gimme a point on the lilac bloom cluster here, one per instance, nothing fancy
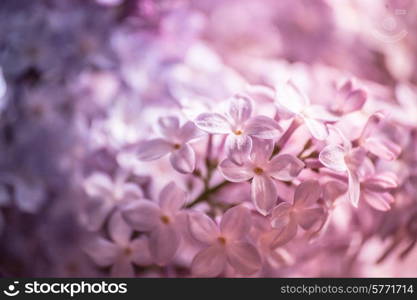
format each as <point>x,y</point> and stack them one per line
<point>145,138</point>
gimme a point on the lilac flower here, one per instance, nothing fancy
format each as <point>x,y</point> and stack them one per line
<point>375,142</point>
<point>292,102</point>
<point>121,251</point>
<point>265,235</point>
<point>105,194</point>
<point>347,160</point>
<point>174,142</point>
<point>262,170</point>
<point>376,190</point>
<point>376,187</point>
<point>159,220</point>
<point>226,244</point>
<point>349,99</point>
<point>304,212</point>
<point>239,126</point>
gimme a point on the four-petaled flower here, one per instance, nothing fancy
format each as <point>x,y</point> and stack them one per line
<point>160,220</point>
<point>376,186</point>
<point>174,142</point>
<point>226,244</point>
<point>239,126</point>
<point>293,102</point>
<point>262,170</point>
<point>121,251</point>
<point>304,212</point>
<point>106,194</point>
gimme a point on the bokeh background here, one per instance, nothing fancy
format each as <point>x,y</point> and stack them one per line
<point>81,80</point>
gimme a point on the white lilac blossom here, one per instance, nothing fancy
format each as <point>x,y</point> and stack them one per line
<point>145,138</point>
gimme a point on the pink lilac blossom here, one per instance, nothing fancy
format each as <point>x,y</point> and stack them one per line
<point>144,138</point>
<point>240,127</point>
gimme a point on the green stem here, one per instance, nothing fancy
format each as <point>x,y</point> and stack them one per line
<point>207,193</point>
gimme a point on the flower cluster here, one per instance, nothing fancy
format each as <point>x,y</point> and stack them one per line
<point>252,148</point>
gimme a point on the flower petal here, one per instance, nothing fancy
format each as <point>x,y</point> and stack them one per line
<point>291,98</point>
<point>142,215</point>
<point>209,262</point>
<point>238,147</point>
<point>263,127</point>
<point>285,167</point>
<point>163,243</point>
<point>381,182</point>
<point>372,124</point>
<point>353,188</point>
<point>169,126</point>
<point>244,257</point>
<point>97,210</point>
<point>235,173</point>
<point>132,191</point>
<point>240,109</point>
<point>264,194</point>
<point>183,159</point>
<point>379,201</point>
<point>332,190</point>
<point>281,215</point>
<point>318,129</point>
<point>171,198</point>
<point>140,251</point>
<point>119,231</point>
<point>354,101</point>
<point>202,228</point>
<point>333,157</point>
<point>318,112</point>
<point>153,149</point>
<point>236,222</point>
<point>382,147</point>
<point>286,234</point>
<point>306,218</point>
<point>261,151</point>
<point>98,184</point>
<point>188,132</point>
<point>213,123</point>
<point>101,251</point>
<point>307,193</point>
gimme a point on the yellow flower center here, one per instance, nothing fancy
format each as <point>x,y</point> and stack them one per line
<point>221,240</point>
<point>127,251</point>
<point>258,171</point>
<point>165,219</point>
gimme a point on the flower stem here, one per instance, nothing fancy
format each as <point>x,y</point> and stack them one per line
<point>207,193</point>
<point>286,136</point>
